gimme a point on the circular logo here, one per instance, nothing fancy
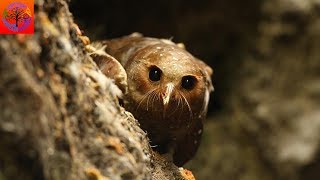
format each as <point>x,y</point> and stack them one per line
<point>16,17</point>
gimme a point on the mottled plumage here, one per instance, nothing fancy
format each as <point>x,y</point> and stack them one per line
<point>168,92</point>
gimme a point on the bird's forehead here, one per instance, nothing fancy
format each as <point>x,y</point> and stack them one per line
<point>177,68</point>
<point>172,60</point>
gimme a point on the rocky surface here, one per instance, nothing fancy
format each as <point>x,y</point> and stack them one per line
<point>60,117</point>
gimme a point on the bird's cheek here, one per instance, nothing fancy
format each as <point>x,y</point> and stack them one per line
<point>196,99</point>
<point>141,86</point>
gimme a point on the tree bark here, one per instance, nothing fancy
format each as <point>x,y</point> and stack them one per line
<point>59,115</point>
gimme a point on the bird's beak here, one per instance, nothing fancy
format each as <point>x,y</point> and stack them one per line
<point>167,94</point>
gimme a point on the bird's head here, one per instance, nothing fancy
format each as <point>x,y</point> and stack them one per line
<point>164,77</point>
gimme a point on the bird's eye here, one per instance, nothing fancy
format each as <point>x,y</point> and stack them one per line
<point>188,82</point>
<point>155,73</point>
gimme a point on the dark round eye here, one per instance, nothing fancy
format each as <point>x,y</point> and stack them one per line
<point>155,73</point>
<point>188,82</point>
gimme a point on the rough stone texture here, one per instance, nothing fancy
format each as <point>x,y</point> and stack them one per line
<point>264,119</point>
<point>59,115</point>
<point>283,81</point>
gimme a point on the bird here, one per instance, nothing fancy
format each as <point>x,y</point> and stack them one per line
<point>167,91</point>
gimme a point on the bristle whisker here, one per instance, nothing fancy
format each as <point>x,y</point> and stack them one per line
<point>180,103</point>
<point>177,107</point>
<point>187,103</point>
<point>153,97</point>
<point>148,100</point>
<point>144,97</point>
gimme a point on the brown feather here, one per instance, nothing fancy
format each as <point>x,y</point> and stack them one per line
<point>177,124</point>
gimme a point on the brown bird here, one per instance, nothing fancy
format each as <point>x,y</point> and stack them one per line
<point>168,92</point>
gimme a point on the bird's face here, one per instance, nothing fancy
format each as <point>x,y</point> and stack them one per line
<point>164,79</point>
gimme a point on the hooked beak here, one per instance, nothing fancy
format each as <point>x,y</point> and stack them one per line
<point>167,94</point>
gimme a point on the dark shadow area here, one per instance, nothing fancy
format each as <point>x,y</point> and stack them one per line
<point>204,28</point>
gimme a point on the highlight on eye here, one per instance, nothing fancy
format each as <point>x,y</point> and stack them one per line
<point>155,73</point>
<point>188,82</point>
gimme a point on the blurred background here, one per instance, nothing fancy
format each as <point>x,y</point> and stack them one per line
<point>264,116</point>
